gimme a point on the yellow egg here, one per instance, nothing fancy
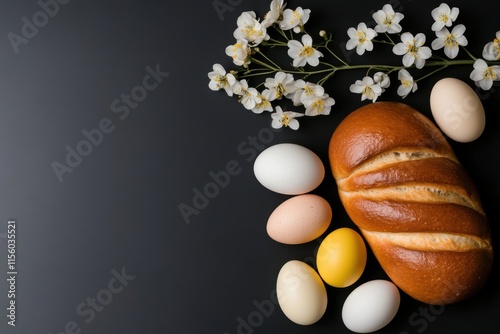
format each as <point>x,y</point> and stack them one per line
<point>341,257</point>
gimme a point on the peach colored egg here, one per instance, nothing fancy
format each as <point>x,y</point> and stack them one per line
<point>299,219</point>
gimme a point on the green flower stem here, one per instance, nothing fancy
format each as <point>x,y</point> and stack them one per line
<point>269,60</point>
<point>334,54</point>
<point>331,70</point>
<point>381,41</point>
<point>470,54</point>
<point>431,73</point>
<point>390,39</point>
<point>281,32</point>
<point>274,42</point>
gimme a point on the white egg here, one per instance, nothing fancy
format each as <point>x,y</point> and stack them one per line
<point>301,293</point>
<point>289,169</point>
<point>371,306</point>
<point>457,110</point>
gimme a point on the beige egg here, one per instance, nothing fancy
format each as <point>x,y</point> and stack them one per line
<point>299,219</point>
<point>457,110</point>
<point>301,293</point>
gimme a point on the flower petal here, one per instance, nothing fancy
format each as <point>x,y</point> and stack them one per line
<point>419,39</point>
<point>424,52</point>
<point>408,60</point>
<point>419,62</point>
<point>351,32</point>
<point>407,38</point>
<point>451,52</point>
<point>293,124</point>
<point>399,49</point>
<point>480,64</point>
<point>276,123</point>
<point>437,44</point>
<point>458,30</point>
<point>394,28</point>
<point>438,25</point>
<point>307,40</point>
<point>356,88</point>
<point>379,17</point>
<point>486,84</point>
<point>443,33</point>
<point>462,40</point>
<point>476,75</point>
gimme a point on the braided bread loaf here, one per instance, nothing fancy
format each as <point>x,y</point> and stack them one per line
<point>417,208</point>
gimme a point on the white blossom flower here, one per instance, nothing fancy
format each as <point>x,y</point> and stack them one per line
<point>219,79</point>
<point>295,19</point>
<point>281,85</point>
<point>303,53</point>
<point>382,79</point>
<point>367,88</point>
<point>305,89</point>
<point>249,96</point>
<point>484,75</point>
<point>285,118</point>
<point>450,41</point>
<point>412,50</point>
<point>250,29</point>
<point>443,16</point>
<point>491,50</point>
<point>318,105</point>
<point>387,20</point>
<point>360,38</point>
<point>408,85</point>
<point>272,16</point>
<point>240,52</point>
<point>264,104</point>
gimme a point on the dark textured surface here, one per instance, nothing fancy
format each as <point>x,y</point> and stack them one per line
<point>110,232</point>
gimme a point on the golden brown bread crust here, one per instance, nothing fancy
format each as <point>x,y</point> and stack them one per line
<point>416,206</point>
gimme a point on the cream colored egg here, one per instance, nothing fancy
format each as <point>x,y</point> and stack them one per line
<point>301,293</point>
<point>299,219</point>
<point>457,110</point>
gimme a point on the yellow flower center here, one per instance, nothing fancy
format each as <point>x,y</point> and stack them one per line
<point>443,17</point>
<point>318,105</point>
<point>236,47</point>
<point>221,80</point>
<point>307,51</point>
<point>280,91</point>
<point>361,37</point>
<point>251,33</point>
<point>412,48</point>
<point>490,73</point>
<point>263,102</point>
<point>308,90</point>
<point>285,120</point>
<point>450,41</point>
<point>296,17</point>
<point>496,41</point>
<point>406,83</point>
<point>388,20</point>
<point>368,92</point>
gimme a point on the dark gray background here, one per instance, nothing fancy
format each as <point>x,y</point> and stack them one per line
<point>118,209</point>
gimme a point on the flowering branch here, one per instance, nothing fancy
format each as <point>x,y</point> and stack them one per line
<point>252,39</point>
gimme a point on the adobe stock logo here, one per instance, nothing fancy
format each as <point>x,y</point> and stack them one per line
<point>30,28</point>
<point>122,106</point>
<point>219,180</point>
<point>222,6</point>
<point>89,309</point>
